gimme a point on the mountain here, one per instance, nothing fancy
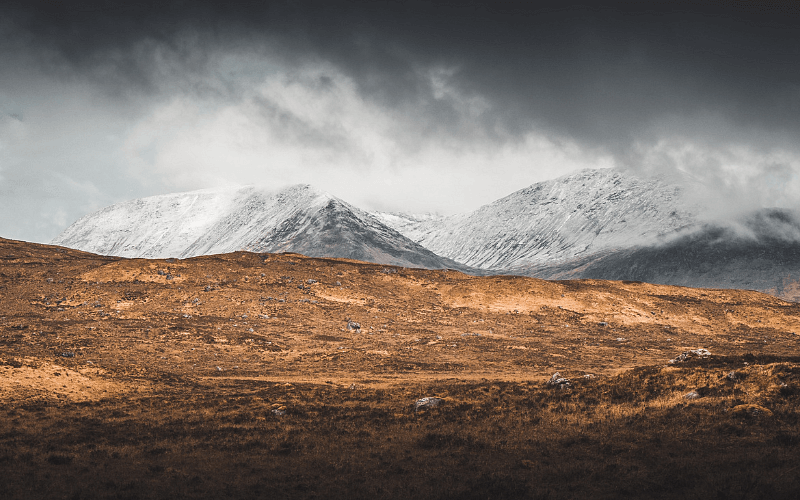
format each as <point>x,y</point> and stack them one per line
<point>572,216</point>
<point>601,224</point>
<point>606,224</point>
<point>296,219</point>
<point>760,251</point>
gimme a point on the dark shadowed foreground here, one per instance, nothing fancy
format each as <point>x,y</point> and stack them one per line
<point>280,376</point>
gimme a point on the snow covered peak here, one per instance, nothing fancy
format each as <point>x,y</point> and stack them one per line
<point>572,215</point>
<point>298,218</point>
<point>172,225</point>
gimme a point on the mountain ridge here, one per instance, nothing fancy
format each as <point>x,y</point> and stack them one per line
<point>295,219</point>
<point>576,214</point>
<point>599,224</point>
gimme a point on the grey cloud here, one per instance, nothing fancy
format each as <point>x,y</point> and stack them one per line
<point>598,73</point>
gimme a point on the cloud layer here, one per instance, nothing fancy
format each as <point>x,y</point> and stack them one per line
<point>413,106</point>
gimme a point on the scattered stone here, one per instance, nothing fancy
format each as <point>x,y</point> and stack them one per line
<point>187,316</point>
<point>278,412</point>
<point>558,381</point>
<point>732,376</point>
<point>311,282</point>
<point>263,316</point>
<point>590,376</point>
<point>352,325</point>
<point>691,395</point>
<point>219,369</point>
<point>68,354</point>
<point>426,403</point>
<point>338,283</point>
<point>244,316</point>
<point>694,353</point>
<point>602,323</point>
<point>353,387</point>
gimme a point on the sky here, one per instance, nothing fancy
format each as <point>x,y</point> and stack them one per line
<point>397,106</point>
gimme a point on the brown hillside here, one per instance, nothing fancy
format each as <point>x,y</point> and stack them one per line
<point>92,345</point>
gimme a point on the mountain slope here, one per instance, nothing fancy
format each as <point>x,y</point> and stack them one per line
<point>574,215</point>
<point>759,252</point>
<point>296,219</point>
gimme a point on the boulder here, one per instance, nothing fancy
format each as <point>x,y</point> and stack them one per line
<point>694,353</point>
<point>426,403</point>
<point>558,381</point>
<point>691,395</point>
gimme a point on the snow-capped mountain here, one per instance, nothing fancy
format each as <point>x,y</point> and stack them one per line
<point>296,219</point>
<point>574,215</point>
<point>602,224</point>
<point>760,251</point>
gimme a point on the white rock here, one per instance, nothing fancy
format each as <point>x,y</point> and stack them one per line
<point>429,402</point>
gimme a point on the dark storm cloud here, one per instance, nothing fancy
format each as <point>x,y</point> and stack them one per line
<point>596,72</point>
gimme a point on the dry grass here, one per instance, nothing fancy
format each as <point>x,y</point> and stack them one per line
<point>631,435</point>
<point>110,388</point>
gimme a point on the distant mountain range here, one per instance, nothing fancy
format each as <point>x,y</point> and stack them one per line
<point>603,224</point>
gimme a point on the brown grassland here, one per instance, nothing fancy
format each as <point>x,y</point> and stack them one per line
<point>235,376</point>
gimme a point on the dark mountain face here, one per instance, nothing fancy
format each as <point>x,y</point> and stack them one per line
<point>760,252</point>
<point>336,230</point>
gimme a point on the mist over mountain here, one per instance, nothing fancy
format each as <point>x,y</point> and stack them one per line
<point>296,219</point>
